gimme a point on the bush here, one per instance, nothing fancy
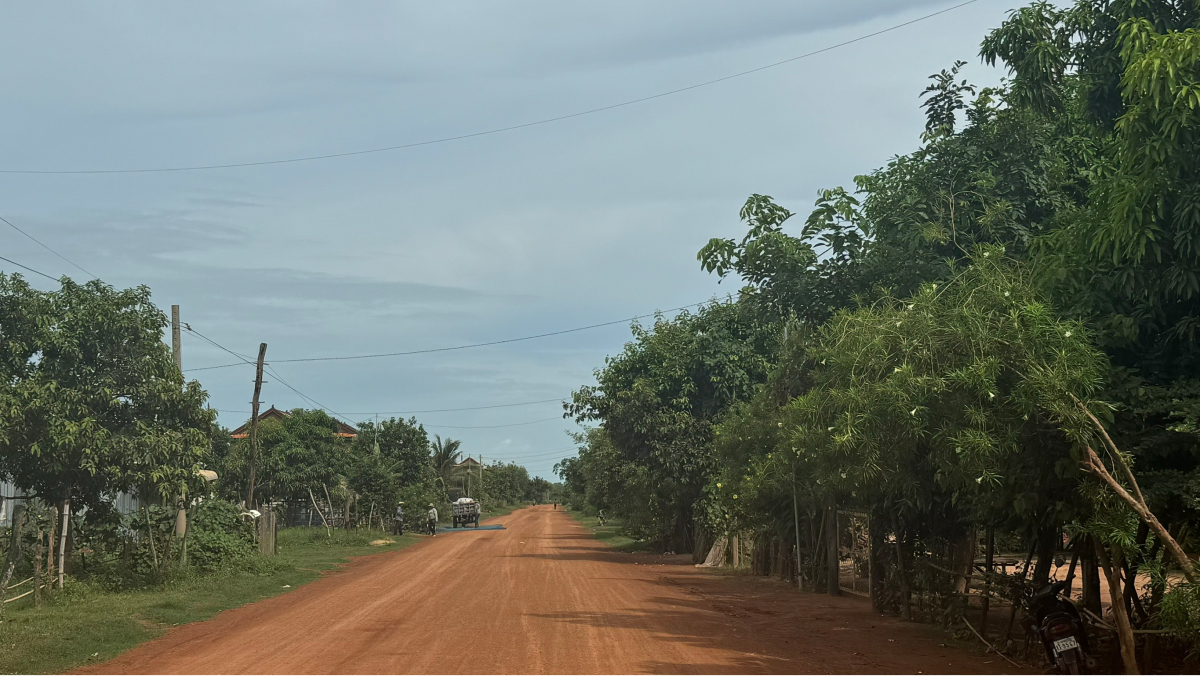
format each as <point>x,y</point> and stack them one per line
<point>218,535</point>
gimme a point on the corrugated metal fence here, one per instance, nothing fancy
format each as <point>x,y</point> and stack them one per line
<point>124,502</point>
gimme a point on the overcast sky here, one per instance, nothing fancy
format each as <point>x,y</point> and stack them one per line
<point>556,226</point>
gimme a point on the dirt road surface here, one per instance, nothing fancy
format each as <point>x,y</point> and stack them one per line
<point>543,596</point>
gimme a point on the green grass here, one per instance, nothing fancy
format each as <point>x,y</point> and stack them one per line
<point>612,533</point>
<point>84,623</point>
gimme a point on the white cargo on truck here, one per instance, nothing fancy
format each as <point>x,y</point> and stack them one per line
<point>466,511</point>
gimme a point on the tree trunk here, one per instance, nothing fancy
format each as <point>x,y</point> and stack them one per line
<point>1089,574</point>
<point>62,540</point>
<point>964,561</point>
<point>37,569</point>
<point>989,559</point>
<point>1112,571</point>
<point>50,543</point>
<point>831,549</point>
<point>901,574</point>
<point>1048,542</point>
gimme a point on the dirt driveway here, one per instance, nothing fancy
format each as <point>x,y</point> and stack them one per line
<point>544,597</point>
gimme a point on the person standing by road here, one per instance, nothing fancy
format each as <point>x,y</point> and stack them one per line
<point>432,519</point>
<point>398,526</point>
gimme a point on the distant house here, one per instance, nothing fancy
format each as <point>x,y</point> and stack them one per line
<point>343,430</point>
<point>469,464</point>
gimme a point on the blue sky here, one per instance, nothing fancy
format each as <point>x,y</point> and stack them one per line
<point>567,224</point>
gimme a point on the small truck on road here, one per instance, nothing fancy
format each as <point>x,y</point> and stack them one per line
<point>466,511</point>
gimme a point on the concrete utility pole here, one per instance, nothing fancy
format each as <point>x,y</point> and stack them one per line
<point>262,353</point>
<point>177,354</point>
<point>176,344</point>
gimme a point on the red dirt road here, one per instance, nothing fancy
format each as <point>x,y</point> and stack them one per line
<point>544,597</point>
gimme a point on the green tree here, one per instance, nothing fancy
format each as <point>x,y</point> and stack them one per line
<point>658,400</point>
<point>90,400</point>
<point>444,456</point>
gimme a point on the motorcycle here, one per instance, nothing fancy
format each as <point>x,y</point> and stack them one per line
<point>1057,623</point>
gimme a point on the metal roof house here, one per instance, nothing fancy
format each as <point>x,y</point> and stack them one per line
<point>343,430</point>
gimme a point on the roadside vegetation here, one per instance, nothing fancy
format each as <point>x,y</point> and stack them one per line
<point>993,338</point>
<point>613,533</point>
<point>91,622</point>
<point>135,511</point>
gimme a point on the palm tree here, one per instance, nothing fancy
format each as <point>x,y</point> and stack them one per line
<point>445,456</point>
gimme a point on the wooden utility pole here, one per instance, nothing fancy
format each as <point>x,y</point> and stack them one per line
<point>176,344</point>
<point>262,353</point>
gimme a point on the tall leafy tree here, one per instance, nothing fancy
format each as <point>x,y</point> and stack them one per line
<point>444,456</point>
<point>90,400</point>
<point>658,400</point>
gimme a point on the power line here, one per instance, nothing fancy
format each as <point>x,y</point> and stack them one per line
<point>306,397</point>
<point>497,130</point>
<point>490,427</point>
<point>450,349</point>
<point>47,248</point>
<point>466,408</point>
<point>270,370</point>
<point>36,272</point>
<point>435,410</point>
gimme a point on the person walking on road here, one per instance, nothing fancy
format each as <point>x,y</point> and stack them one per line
<point>432,519</point>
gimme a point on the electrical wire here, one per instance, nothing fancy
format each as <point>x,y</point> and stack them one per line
<point>36,272</point>
<point>465,408</point>
<point>490,427</point>
<point>307,398</point>
<point>272,371</point>
<point>437,410</point>
<point>47,248</point>
<point>456,347</point>
<point>497,130</point>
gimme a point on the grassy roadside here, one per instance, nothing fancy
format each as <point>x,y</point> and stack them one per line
<point>611,533</point>
<point>86,624</point>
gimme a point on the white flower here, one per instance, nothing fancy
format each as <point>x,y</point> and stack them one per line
<point>991,395</point>
<point>913,412</point>
<point>1007,294</point>
<point>986,253</point>
<point>781,424</point>
<point>1067,334</point>
<point>829,430</point>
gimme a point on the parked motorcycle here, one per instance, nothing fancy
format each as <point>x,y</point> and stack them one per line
<point>1057,623</point>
